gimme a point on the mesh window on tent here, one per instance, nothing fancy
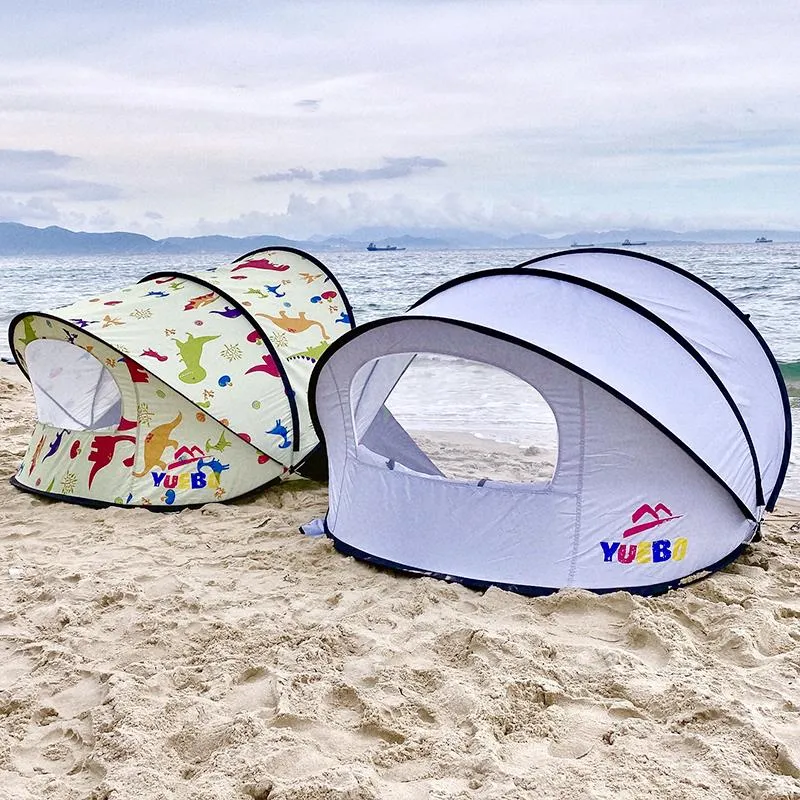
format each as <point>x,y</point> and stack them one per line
<point>440,401</point>
<point>73,390</point>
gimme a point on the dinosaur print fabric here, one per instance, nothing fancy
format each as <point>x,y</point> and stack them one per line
<point>162,450</point>
<point>213,370</point>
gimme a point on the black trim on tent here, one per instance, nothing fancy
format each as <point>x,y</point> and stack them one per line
<point>15,320</point>
<point>348,337</point>
<point>650,317</point>
<point>648,590</point>
<point>773,498</point>
<point>287,386</point>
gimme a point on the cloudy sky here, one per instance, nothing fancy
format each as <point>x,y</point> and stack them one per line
<point>302,118</point>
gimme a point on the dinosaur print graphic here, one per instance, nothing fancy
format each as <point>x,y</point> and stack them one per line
<point>269,366</point>
<point>153,354</point>
<point>221,444</point>
<point>200,301</point>
<point>229,313</point>
<point>261,263</point>
<point>310,353</point>
<point>296,324</point>
<point>102,453</point>
<point>156,442</point>
<point>138,373</point>
<point>272,291</point>
<point>280,430</point>
<point>190,353</point>
<point>258,293</point>
<point>36,453</point>
<point>29,333</point>
<point>54,445</point>
<point>216,466</point>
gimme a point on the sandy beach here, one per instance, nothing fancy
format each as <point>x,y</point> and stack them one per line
<point>218,653</point>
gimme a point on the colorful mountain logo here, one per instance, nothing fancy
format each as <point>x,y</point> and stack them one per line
<point>658,516</point>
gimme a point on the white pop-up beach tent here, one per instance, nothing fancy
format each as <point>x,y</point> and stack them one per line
<point>672,418</point>
<point>183,389</point>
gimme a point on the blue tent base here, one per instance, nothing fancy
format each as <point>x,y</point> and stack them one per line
<point>650,590</point>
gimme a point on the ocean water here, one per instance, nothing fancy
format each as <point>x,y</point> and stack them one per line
<point>762,280</point>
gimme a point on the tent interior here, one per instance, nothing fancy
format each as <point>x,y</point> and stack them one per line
<point>450,405</point>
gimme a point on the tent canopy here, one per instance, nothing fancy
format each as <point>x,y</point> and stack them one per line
<point>662,430</point>
<point>194,382</point>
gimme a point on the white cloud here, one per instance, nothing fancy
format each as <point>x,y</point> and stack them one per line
<point>543,112</point>
<point>291,174</point>
<point>27,171</point>
<point>391,169</point>
<point>33,211</point>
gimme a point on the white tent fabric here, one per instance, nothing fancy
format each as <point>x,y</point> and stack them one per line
<point>657,479</point>
<point>717,329</point>
<point>623,349</point>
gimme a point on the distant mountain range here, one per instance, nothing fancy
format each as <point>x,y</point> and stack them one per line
<point>17,239</point>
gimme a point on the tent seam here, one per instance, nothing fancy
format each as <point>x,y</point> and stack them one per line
<point>346,452</point>
<point>576,536</point>
<point>509,487</point>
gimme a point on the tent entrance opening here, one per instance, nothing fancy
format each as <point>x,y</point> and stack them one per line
<point>476,421</point>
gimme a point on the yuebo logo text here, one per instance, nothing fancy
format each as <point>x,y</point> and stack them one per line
<point>645,552</point>
<point>643,519</point>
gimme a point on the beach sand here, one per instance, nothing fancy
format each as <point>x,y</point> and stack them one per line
<point>218,653</point>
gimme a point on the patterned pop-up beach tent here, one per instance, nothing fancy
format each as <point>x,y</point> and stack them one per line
<point>181,389</point>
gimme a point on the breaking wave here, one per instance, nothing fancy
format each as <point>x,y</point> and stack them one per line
<point>791,375</point>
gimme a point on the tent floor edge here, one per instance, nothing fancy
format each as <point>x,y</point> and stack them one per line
<point>650,590</point>
<point>87,502</point>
